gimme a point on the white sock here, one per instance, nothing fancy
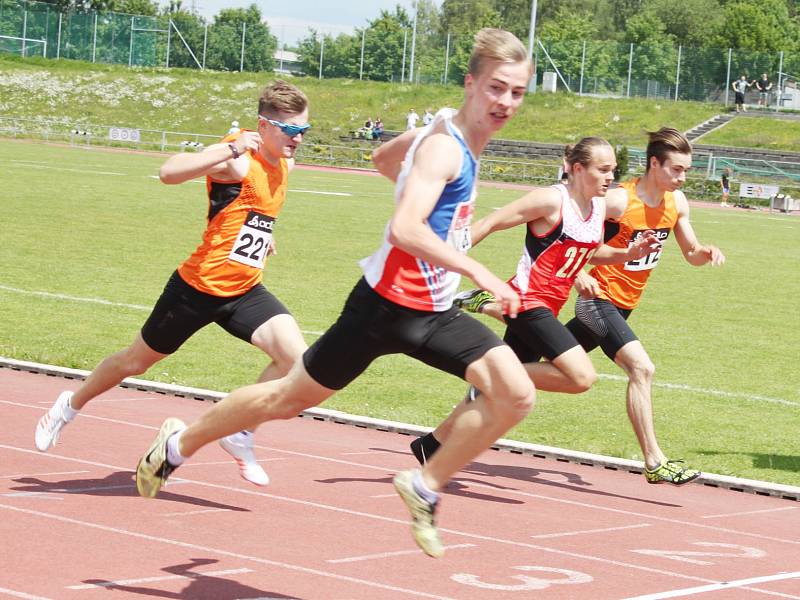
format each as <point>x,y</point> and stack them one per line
<point>69,413</point>
<point>423,490</point>
<point>174,456</point>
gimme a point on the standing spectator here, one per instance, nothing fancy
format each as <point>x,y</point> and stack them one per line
<point>764,85</point>
<point>427,117</point>
<point>725,184</point>
<point>377,129</point>
<point>411,119</point>
<point>740,87</point>
<point>234,128</point>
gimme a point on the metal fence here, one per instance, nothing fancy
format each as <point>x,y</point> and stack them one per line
<point>703,184</point>
<point>583,67</point>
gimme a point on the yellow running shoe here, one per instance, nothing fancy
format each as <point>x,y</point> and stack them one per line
<point>671,471</point>
<point>422,512</point>
<point>473,300</point>
<point>153,468</point>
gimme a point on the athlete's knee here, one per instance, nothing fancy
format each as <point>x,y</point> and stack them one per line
<point>287,397</point>
<point>517,402</point>
<point>641,369</point>
<point>583,380</point>
<point>133,362</point>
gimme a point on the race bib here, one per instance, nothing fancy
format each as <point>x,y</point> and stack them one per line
<point>460,235</point>
<point>649,261</point>
<point>252,243</point>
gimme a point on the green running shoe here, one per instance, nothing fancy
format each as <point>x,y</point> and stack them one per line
<point>671,471</point>
<point>424,525</point>
<point>154,468</point>
<point>473,300</point>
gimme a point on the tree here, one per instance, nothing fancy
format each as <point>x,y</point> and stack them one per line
<point>761,26</point>
<point>225,41</point>
<point>384,45</point>
<point>462,19</point>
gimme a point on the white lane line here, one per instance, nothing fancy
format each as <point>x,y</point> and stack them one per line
<point>16,594</point>
<point>52,168</point>
<point>221,552</point>
<point>585,531</point>
<point>471,483</point>
<point>227,462</point>
<point>50,491</point>
<point>404,523</point>
<point>360,453</point>
<point>321,193</point>
<point>42,474</point>
<point>389,554</point>
<point>749,512</point>
<point>707,391</point>
<point>73,298</point>
<point>724,585</point>
<point>96,301</point>
<point>385,496</point>
<point>200,575</point>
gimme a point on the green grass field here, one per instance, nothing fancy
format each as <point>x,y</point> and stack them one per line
<point>86,224</point>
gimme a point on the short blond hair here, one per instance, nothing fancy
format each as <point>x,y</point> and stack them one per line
<point>497,45</point>
<point>281,97</point>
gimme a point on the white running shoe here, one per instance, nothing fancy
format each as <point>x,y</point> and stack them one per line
<point>51,424</point>
<point>240,447</point>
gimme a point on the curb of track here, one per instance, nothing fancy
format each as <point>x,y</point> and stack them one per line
<point>752,486</point>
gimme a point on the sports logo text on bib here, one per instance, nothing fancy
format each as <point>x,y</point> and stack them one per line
<point>651,260</point>
<point>252,243</point>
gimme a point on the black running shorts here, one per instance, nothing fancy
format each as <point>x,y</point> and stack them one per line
<point>371,326</point>
<point>598,322</point>
<point>182,310</point>
<point>537,334</point>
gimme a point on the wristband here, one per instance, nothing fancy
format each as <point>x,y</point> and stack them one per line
<point>234,150</point>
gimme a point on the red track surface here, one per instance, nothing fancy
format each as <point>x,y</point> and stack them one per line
<point>329,525</point>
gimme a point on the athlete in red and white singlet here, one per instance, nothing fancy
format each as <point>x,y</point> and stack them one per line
<point>564,229</point>
<point>550,262</point>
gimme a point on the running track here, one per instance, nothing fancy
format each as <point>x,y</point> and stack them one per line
<point>329,526</point>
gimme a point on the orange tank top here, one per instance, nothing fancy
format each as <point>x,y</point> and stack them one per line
<point>230,259</point>
<point>623,284</point>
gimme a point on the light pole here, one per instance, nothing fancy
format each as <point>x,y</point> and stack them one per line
<point>531,41</point>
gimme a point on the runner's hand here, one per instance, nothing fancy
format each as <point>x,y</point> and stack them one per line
<point>646,243</point>
<point>714,255</point>
<point>248,140</point>
<point>586,285</point>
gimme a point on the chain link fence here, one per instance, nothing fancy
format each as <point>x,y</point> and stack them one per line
<point>389,54</point>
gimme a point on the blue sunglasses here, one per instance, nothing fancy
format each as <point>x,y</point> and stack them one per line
<point>287,128</point>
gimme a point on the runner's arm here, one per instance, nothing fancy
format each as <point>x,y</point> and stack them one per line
<point>646,243</point>
<point>388,157</point>
<point>217,160</point>
<point>695,253</point>
<point>536,204</point>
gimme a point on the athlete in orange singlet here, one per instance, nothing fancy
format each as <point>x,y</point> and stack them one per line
<point>610,292</point>
<point>246,180</point>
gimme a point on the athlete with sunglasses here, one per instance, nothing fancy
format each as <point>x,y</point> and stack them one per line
<point>246,180</point>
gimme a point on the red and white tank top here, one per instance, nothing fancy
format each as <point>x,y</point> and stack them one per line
<point>550,262</point>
